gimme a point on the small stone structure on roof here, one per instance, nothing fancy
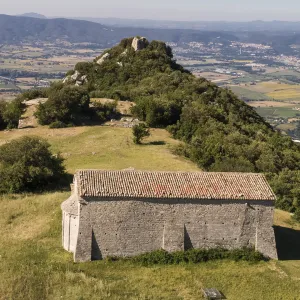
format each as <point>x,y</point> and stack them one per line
<point>125,213</point>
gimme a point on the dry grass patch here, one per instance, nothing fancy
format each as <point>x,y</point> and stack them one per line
<point>270,104</point>
<point>123,106</point>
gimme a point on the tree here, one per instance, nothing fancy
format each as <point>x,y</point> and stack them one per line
<point>66,104</point>
<point>139,132</point>
<point>12,113</point>
<point>27,164</point>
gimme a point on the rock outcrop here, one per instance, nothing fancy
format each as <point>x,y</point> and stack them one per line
<point>139,43</point>
<point>77,79</point>
<point>101,60</point>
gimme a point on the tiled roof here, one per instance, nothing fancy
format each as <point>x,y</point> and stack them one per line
<point>175,185</point>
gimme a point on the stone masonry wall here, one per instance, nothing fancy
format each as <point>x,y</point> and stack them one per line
<point>112,227</point>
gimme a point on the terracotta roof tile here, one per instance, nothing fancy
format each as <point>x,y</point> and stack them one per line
<point>186,185</point>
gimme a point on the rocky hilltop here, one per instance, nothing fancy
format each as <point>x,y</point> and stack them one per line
<point>219,131</point>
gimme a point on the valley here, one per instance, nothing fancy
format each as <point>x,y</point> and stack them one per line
<point>254,72</point>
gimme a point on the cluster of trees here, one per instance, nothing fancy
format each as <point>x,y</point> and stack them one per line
<point>70,105</point>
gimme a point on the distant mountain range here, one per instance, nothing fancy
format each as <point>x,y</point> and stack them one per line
<point>16,29</point>
<point>33,15</point>
<point>257,25</point>
<point>199,25</point>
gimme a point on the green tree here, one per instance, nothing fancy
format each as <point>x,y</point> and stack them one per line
<point>27,164</point>
<point>66,104</point>
<point>139,132</point>
<point>12,113</point>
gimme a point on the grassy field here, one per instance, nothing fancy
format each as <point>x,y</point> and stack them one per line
<point>33,264</point>
<point>278,91</point>
<point>283,112</point>
<point>245,93</point>
<point>108,147</point>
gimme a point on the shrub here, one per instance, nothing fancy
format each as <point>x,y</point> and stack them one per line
<point>159,257</point>
<point>35,93</point>
<point>194,256</point>
<point>296,215</point>
<point>26,164</point>
<point>106,111</point>
<point>139,132</point>
<point>58,124</point>
<point>10,113</point>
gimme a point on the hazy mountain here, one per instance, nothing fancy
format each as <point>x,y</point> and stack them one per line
<point>16,29</point>
<point>199,25</point>
<point>33,15</point>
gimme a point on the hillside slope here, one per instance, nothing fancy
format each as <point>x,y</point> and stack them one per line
<point>34,265</point>
<point>221,132</point>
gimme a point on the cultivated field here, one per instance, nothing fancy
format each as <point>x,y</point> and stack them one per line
<point>33,264</point>
<point>278,91</point>
<point>274,104</point>
<point>247,93</point>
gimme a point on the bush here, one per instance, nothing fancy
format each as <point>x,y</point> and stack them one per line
<point>194,256</point>
<point>58,124</point>
<point>139,132</point>
<point>35,93</point>
<point>106,111</point>
<point>296,215</point>
<point>10,113</point>
<point>26,164</point>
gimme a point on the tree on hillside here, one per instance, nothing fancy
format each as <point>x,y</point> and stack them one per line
<point>10,113</point>
<point>139,132</point>
<point>27,164</point>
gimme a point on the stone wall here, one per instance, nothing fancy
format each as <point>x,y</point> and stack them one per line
<point>112,227</point>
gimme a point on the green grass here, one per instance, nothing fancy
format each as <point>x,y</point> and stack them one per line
<point>33,264</point>
<point>108,148</point>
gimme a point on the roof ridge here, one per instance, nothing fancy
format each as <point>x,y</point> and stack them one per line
<point>159,171</point>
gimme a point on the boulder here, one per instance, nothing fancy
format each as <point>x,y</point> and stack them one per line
<point>101,60</point>
<point>139,43</point>
<point>75,76</point>
<point>76,79</point>
<point>84,79</point>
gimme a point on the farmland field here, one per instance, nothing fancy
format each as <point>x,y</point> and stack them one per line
<point>245,93</point>
<point>283,112</point>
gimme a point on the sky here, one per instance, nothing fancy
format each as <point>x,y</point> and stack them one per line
<point>181,10</point>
